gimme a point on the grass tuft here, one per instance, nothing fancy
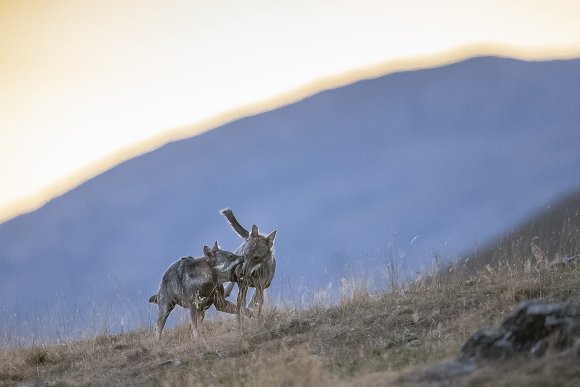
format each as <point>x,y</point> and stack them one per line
<point>36,356</point>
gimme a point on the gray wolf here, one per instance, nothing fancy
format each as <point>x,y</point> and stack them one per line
<point>259,266</point>
<point>196,284</point>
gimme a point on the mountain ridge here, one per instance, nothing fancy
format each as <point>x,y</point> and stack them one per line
<point>401,166</point>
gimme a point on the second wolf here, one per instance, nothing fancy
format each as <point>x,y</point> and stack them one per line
<point>259,265</point>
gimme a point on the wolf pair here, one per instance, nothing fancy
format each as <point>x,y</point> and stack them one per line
<point>198,283</point>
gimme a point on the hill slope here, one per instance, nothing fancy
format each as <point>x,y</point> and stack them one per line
<point>400,166</point>
<point>554,230</point>
<point>366,340</point>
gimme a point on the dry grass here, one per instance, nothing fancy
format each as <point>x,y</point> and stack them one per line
<point>366,340</point>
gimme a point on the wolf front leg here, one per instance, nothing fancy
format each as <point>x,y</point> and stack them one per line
<point>241,302</point>
<point>223,305</point>
<point>257,300</point>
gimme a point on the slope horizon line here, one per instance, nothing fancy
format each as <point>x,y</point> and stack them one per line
<point>33,202</point>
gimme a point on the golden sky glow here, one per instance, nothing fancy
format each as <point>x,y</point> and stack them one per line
<point>86,84</point>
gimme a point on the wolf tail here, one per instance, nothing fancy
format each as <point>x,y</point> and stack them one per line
<point>241,231</point>
<point>153,299</point>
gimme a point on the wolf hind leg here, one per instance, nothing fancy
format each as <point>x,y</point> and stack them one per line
<point>164,310</point>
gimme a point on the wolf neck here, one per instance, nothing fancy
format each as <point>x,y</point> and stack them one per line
<point>223,275</point>
<point>243,249</point>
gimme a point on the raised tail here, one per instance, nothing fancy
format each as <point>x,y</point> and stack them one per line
<point>241,231</point>
<point>153,299</point>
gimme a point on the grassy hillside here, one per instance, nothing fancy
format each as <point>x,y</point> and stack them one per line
<point>367,339</point>
<point>553,231</point>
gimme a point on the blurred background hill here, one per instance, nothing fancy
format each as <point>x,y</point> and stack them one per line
<point>406,166</point>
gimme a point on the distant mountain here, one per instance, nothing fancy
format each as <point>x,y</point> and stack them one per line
<point>398,167</point>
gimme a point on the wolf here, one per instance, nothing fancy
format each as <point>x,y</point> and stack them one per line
<point>259,266</point>
<point>196,284</point>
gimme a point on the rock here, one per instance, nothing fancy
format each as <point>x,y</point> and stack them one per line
<point>442,372</point>
<point>526,331</point>
<point>566,262</point>
<point>529,330</point>
<point>574,260</point>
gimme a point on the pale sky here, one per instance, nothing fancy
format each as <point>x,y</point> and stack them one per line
<point>86,84</point>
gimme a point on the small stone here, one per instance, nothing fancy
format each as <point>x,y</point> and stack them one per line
<point>173,362</point>
<point>565,353</point>
<point>415,343</point>
<point>539,348</point>
<point>443,371</point>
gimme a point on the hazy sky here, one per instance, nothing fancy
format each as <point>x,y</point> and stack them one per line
<point>85,84</point>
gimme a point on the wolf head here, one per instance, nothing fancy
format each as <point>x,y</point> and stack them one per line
<point>257,250</point>
<point>222,262</point>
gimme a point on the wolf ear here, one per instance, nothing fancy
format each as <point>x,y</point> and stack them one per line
<point>216,247</point>
<point>270,238</point>
<point>210,255</point>
<point>208,252</point>
<point>254,232</point>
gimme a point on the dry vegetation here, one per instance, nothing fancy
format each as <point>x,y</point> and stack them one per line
<point>366,340</point>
